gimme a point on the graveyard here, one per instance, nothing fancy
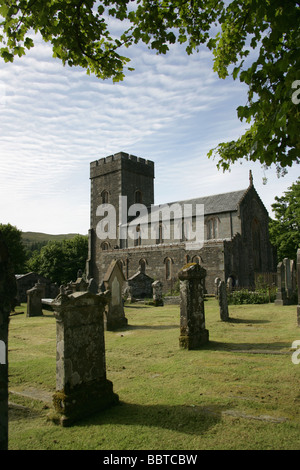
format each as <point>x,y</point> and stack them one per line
<point>238,390</point>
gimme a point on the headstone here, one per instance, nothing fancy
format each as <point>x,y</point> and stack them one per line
<point>224,315</point>
<point>217,282</point>
<point>8,291</point>
<point>141,285</point>
<point>82,388</point>
<point>34,301</point>
<point>192,318</point>
<point>230,284</point>
<point>281,296</point>
<point>157,294</point>
<point>113,281</point>
<point>287,277</point>
<point>298,282</point>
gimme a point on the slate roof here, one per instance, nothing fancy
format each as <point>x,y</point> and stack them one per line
<point>225,202</point>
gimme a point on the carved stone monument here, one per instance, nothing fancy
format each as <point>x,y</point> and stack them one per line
<point>81,385</point>
<point>192,318</point>
<point>113,281</point>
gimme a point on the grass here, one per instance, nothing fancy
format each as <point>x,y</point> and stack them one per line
<point>239,392</point>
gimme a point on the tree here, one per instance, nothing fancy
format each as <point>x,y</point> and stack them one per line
<point>13,239</point>
<point>60,261</point>
<point>285,229</point>
<point>253,40</point>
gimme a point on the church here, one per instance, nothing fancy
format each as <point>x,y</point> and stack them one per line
<point>230,229</point>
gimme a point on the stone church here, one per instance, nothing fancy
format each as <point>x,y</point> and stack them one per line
<point>234,228</point>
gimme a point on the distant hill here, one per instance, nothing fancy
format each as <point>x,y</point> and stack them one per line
<point>35,240</point>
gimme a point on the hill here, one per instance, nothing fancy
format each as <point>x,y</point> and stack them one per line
<point>35,240</point>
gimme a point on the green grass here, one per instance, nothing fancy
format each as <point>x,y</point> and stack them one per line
<point>241,391</point>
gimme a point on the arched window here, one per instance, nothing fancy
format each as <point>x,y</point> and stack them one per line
<point>212,228</point>
<point>138,197</point>
<point>168,267</point>
<point>142,264</point>
<point>138,237</point>
<point>159,234</point>
<point>104,197</point>
<point>104,246</point>
<point>256,245</point>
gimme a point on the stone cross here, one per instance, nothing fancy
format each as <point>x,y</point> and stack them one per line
<point>298,282</point>
<point>224,315</point>
<point>157,294</point>
<point>113,281</point>
<point>192,318</point>
<point>81,385</point>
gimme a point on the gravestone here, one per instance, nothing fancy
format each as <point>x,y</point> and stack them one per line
<point>141,285</point>
<point>113,281</point>
<point>281,296</point>
<point>287,277</point>
<point>81,384</point>
<point>157,294</point>
<point>223,304</point>
<point>217,282</point>
<point>34,300</point>
<point>192,318</point>
<point>298,282</point>
<point>8,291</point>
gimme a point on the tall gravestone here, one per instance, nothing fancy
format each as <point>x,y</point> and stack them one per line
<point>298,282</point>
<point>192,317</point>
<point>113,281</point>
<point>81,384</point>
<point>281,295</point>
<point>8,291</point>
<point>223,304</point>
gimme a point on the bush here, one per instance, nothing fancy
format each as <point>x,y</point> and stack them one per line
<point>245,296</point>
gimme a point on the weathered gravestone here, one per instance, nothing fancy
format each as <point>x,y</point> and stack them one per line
<point>281,295</point>
<point>81,385</point>
<point>192,318</point>
<point>34,300</point>
<point>223,304</point>
<point>217,282</point>
<point>113,281</point>
<point>157,294</point>
<point>298,282</point>
<point>8,291</point>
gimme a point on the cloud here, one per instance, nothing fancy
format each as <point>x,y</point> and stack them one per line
<point>55,120</point>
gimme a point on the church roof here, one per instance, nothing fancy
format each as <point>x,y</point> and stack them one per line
<point>225,202</point>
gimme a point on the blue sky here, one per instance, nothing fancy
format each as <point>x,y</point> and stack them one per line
<point>55,120</point>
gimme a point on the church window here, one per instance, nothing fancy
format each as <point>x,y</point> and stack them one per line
<point>212,228</point>
<point>168,264</point>
<point>105,246</point>
<point>138,237</point>
<point>138,197</point>
<point>142,264</point>
<point>104,197</point>
<point>256,245</point>
<point>160,234</point>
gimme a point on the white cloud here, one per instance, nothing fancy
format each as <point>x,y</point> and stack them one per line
<point>55,120</point>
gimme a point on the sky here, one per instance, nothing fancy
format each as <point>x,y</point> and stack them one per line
<point>172,109</point>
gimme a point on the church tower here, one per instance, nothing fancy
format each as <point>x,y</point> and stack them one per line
<point>117,175</point>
